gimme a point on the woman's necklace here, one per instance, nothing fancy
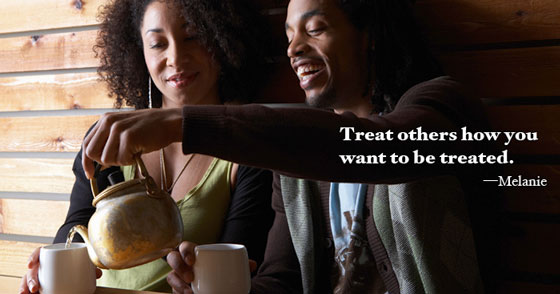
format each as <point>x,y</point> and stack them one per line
<point>164,174</point>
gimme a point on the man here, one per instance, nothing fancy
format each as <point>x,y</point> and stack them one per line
<point>407,228</point>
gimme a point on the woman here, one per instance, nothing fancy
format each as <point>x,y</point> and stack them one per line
<point>168,54</point>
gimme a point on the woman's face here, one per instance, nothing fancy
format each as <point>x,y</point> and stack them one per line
<point>182,69</point>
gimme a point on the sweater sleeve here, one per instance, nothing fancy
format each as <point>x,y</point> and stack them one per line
<point>250,214</point>
<point>279,273</point>
<point>307,143</point>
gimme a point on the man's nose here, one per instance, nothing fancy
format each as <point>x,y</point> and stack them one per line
<point>298,46</point>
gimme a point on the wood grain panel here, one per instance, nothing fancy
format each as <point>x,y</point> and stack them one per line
<point>9,285</point>
<point>533,199</point>
<point>48,52</point>
<point>276,25</point>
<point>14,256</point>
<point>28,15</point>
<point>53,92</point>
<point>283,85</point>
<point>504,73</point>
<point>32,217</point>
<point>533,247</point>
<point>103,290</point>
<point>523,72</point>
<point>36,175</point>
<point>267,4</point>
<point>468,22</point>
<point>543,119</point>
<point>509,287</point>
<point>36,134</point>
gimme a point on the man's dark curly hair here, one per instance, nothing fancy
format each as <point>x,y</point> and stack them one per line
<point>401,57</point>
<point>231,30</point>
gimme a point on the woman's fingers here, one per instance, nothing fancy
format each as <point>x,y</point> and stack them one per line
<point>178,285</point>
<point>23,288</point>
<point>187,252</point>
<point>181,262</point>
<point>30,282</point>
<point>34,258</point>
<point>252,265</point>
<point>180,268</point>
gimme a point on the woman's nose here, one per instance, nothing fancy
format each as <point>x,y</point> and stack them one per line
<point>175,55</point>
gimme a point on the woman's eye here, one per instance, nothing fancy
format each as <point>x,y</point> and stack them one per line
<point>156,45</point>
<point>191,38</point>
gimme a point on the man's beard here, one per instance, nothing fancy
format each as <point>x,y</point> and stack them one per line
<point>325,99</point>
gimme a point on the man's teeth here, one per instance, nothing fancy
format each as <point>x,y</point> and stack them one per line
<point>304,70</point>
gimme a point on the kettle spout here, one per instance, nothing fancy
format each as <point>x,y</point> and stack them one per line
<point>92,255</point>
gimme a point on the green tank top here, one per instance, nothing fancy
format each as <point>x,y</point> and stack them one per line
<point>203,210</point>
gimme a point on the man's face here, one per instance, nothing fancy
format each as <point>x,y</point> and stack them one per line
<point>328,54</point>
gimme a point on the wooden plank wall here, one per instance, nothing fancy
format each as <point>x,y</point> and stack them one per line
<point>49,96</point>
<point>508,51</point>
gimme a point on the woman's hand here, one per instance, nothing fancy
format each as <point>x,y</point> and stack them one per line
<point>29,281</point>
<point>181,263</point>
<point>118,136</point>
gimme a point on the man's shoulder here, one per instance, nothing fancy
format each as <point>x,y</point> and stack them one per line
<point>436,87</point>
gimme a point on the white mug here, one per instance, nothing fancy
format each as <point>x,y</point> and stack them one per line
<point>66,270</point>
<point>221,269</point>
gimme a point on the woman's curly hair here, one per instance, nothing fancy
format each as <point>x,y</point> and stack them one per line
<point>232,31</point>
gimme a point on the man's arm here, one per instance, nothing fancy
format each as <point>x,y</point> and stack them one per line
<point>303,143</point>
<point>306,143</point>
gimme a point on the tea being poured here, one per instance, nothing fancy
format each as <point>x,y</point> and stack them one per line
<point>70,237</point>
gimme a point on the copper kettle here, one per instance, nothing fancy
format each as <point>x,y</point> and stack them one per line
<point>135,222</point>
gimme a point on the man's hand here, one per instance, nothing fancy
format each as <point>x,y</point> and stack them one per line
<point>181,263</point>
<point>30,281</point>
<point>118,136</point>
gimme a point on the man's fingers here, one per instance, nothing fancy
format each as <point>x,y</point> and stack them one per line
<point>110,152</point>
<point>87,164</point>
<point>96,140</point>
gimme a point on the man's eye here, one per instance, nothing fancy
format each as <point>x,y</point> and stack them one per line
<point>191,38</point>
<point>316,31</point>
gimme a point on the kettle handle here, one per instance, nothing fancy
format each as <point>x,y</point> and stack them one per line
<point>151,186</point>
